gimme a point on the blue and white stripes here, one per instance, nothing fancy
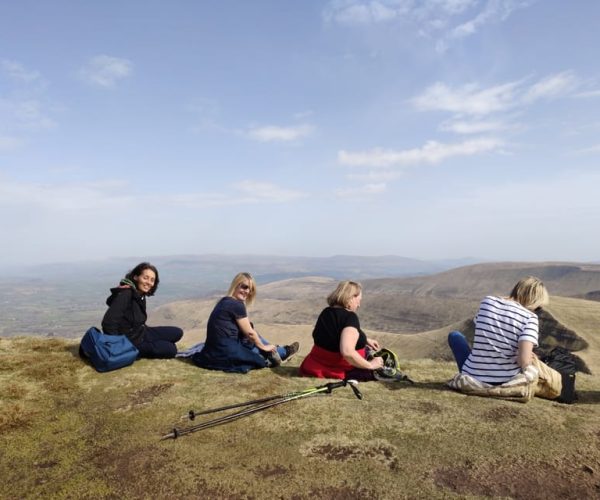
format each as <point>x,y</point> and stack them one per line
<point>500,325</point>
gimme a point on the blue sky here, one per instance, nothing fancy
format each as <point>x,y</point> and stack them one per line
<point>427,129</point>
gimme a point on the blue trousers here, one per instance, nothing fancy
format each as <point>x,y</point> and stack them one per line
<point>460,347</point>
<point>159,341</point>
<point>280,349</point>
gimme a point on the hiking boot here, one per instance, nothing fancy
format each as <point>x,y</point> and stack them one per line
<point>273,359</point>
<point>290,350</point>
<point>567,394</point>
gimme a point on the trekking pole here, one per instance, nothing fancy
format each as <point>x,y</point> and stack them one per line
<point>327,388</point>
<point>192,414</point>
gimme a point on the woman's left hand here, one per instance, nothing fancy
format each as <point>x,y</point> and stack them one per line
<point>269,348</point>
<point>373,344</point>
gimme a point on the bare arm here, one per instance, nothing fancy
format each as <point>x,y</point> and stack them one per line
<point>348,341</point>
<point>248,331</point>
<point>525,354</point>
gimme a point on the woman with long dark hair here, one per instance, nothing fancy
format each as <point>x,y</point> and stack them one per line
<point>126,314</point>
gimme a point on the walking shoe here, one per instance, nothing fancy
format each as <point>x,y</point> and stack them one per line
<point>273,359</point>
<point>290,350</point>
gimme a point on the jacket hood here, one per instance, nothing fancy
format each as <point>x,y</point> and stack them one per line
<point>121,289</point>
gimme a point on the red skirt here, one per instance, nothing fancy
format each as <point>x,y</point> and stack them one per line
<point>326,364</point>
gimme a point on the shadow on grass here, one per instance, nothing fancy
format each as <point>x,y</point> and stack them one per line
<point>588,397</point>
<point>430,386</point>
<point>73,350</point>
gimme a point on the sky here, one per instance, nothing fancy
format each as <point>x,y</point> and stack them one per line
<point>429,129</point>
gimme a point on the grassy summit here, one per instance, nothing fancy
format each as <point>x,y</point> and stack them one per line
<point>69,432</point>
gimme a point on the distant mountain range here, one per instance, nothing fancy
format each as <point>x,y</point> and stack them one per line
<point>401,295</point>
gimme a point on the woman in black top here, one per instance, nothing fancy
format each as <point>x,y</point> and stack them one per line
<point>126,314</point>
<point>340,344</point>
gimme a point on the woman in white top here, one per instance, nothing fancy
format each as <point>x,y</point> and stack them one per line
<point>506,331</point>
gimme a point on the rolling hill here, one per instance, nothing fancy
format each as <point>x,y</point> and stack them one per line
<point>67,431</point>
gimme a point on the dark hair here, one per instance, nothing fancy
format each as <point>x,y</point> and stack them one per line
<point>139,269</point>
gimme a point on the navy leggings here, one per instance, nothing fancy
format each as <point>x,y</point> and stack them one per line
<point>159,341</point>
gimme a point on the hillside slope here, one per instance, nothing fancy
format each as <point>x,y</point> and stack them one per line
<point>69,432</point>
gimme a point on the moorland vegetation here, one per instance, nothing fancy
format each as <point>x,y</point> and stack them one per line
<point>67,431</point>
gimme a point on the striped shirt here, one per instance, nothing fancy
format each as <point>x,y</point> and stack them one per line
<point>500,325</point>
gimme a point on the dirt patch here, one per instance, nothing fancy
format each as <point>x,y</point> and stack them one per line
<point>380,451</point>
<point>275,471</point>
<point>217,493</point>
<point>428,407</point>
<point>345,492</point>
<point>147,394</point>
<point>14,416</point>
<point>502,413</point>
<point>566,477</point>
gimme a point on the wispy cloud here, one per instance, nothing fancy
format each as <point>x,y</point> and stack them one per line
<point>440,20</point>
<point>256,192</point>
<point>355,12</point>
<point>588,93</point>
<point>247,192</point>
<point>18,71</point>
<point>591,150</point>
<point>361,192</point>
<point>66,197</point>
<point>493,11</point>
<point>114,195</point>
<point>374,176</point>
<point>28,114</point>
<point>473,127</point>
<point>432,152</point>
<point>274,133</point>
<point>552,86</point>
<point>471,99</point>
<point>105,71</point>
<point>10,143</point>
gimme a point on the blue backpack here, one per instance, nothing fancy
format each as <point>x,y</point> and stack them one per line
<point>107,352</point>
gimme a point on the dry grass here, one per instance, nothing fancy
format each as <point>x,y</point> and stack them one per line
<point>76,433</point>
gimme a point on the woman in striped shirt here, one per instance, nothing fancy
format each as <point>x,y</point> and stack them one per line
<point>506,331</point>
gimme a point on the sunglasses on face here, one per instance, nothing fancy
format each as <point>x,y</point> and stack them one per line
<point>244,287</point>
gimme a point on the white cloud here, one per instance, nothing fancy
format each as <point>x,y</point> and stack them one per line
<point>591,150</point>
<point>361,192</point>
<point>552,86</point>
<point>24,115</point>
<point>17,71</point>
<point>9,143</point>
<point>273,133</point>
<point>355,12</point>
<point>106,71</point>
<point>65,197</point>
<point>254,192</point>
<point>114,195</point>
<point>473,127</point>
<point>365,12</point>
<point>589,93</point>
<point>432,152</point>
<point>440,20</point>
<point>469,99</point>
<point>493,11</point>
<point>376,176</point>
